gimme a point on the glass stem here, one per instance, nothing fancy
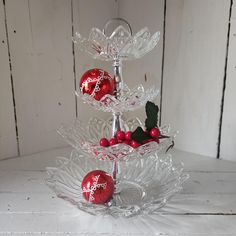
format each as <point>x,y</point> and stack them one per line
<point>115,173</point>
<point>117,121</point>
<point>118,77</point>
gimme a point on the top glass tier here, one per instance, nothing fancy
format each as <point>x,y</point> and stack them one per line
<point>119,45</point>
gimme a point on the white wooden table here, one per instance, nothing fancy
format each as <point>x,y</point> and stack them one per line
<point>206,206</point>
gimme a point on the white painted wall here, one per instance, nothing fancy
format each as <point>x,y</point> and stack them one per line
<point>42,68</point>
<point>196,38</point>
<point>228,136</point>
<point>8,144</point>
<point>86,15</point>
<point>44,80</point>
<point>142,14</point>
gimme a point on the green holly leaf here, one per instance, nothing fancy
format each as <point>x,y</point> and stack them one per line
<point>139,135</point>
<point>152,115</point>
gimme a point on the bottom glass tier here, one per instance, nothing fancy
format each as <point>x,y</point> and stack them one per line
<point>144,185</point>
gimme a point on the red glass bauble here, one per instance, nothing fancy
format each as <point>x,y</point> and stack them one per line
<point>98,187</point>
<point>97,83</point>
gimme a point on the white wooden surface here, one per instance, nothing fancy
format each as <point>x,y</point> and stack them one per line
<point>196,36</point>
<point>206,206</point>
<point>42,67</point>
<point>8,143</point>
<point>86,15</point>
<point>228,137</point>
<point>142,14</point>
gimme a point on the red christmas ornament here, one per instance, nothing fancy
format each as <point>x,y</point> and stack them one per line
<point>98,187</point>
<point>97,83</point>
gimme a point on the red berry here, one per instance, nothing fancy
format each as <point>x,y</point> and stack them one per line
<point>120,135</point>
<point>134,144</point>
<point>113,141</point>
<point>104,142</point>
<point>128,135</point>
<point>154,132</point>
<point>126,142</point>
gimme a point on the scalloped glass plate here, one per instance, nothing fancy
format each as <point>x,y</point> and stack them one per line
<point>129,100</point>
<point>120,44</point>
<point>86,138</point>
<point>147,184</point>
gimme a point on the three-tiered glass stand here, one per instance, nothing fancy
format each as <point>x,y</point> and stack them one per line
<point>145,177</point>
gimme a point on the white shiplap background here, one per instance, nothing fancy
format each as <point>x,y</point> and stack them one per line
<point>194,64</point>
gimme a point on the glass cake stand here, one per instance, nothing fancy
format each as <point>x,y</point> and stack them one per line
<point>145,178</point>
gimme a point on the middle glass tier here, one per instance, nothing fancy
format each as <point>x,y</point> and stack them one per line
<point>85,137</point>
<point>129,100</point>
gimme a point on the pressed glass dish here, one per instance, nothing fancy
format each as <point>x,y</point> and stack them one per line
<point>146,184</point>
<point>119,45</point>
<point>129,100</point>
<point>85,137</point>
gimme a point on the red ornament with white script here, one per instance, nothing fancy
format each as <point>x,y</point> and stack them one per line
<point>98,187</point>
<point>97,83</point>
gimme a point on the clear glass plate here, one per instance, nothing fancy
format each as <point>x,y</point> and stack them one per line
<point>85,137</point>
<point>119,45</point>
<point>146,184</point>
<point>129,100</point>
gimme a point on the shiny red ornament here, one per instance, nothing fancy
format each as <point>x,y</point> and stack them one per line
<point>97,83</point>
<point>98,187</point>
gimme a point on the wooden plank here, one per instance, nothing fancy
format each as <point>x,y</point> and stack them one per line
<point>180,204</point>
<point>23,182</point>
<point>86,15</point>
<point>84,224</point>
<point>228,136</point>
<point>196,35</point>
<point>198,163</point>
<point>8,142</point>
<point>206,205</point>
<point>192,162</point>
<point>34,182</point>
<point>41,49</point>
<point>35,162</point>
<point>134,71</point>
<point>233,16</point>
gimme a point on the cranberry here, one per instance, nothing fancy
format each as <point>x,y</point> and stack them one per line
<point>134,144</point>
<point>104,142</point>
<point>128,135</point>
<point>120,135</point>
<point>154,132</point>
<point>113,141</point>
<point>126,142</point>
